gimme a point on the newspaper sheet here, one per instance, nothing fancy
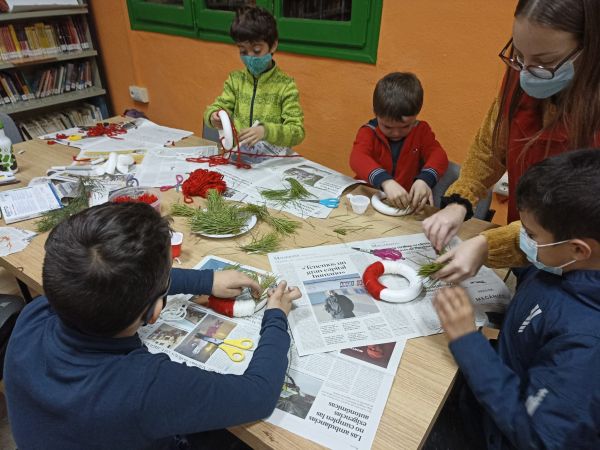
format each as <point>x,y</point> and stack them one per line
<point>336,311</point>
<point>245,185</point>
<point>161,165</point>
<point>335,399</point>
<point>180,335</point>
<point>141,134</point>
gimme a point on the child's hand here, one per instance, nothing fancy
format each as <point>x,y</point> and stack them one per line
<point>216,121</point>
<point>282,296</point>
<point>396,194</point>
<point>420,195</point>
<point>250,136</point>
<point>229,284</point>
<point>455,311</point>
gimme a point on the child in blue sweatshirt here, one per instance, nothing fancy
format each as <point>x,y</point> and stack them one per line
<point>541,387</point>
<point>76,372</point>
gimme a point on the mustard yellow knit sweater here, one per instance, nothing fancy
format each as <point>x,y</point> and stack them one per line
<point>483,167</point>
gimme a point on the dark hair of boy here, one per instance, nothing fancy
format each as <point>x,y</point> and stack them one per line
<point>254,24</point>
<point>106,266</point>
<point>398,95</point>
<point>563,194</point>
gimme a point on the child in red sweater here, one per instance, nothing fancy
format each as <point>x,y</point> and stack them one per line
<point>396,152</point>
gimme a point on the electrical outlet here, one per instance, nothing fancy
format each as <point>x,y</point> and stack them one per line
<point>139,94</point>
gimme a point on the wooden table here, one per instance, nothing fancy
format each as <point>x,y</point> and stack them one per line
<point>426,372</point>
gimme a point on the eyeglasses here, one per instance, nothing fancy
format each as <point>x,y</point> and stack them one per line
<point>162,296</point>
<point>545,73</point>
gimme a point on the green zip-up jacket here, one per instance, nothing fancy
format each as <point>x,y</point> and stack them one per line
<point>272,99</point>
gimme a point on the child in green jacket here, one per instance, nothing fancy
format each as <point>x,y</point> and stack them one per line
<point>261,95</point>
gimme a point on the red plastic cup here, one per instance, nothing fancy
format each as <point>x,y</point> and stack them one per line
<point>176,241</point>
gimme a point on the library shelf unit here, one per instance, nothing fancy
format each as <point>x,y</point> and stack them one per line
<point>50,63</point>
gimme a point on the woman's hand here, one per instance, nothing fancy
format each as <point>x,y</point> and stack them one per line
<point>443,225</point>
<point>463,261</point>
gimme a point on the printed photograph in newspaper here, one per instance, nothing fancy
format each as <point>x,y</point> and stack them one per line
<point>195,347</point>
<point>376,354</point>
<point>167,336</point>
<point>335,304</point>
<point>306,174</point>
<point>298,393</point>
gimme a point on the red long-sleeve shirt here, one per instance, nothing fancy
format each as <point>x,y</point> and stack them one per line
<point>421,156</point>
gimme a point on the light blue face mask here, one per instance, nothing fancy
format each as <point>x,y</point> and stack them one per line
<point>257,64</point>
<point>530,248</point>
<point>541,88</point>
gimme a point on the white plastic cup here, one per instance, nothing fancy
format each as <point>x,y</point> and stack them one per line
<point>359,203</point>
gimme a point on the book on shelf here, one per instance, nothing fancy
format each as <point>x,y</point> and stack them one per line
<point>80,116</point>
<point>21,85</point>
<point>43,39</point>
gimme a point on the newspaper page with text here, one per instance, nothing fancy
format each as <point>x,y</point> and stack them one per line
<point>336,311</point>
<point>335,399</point>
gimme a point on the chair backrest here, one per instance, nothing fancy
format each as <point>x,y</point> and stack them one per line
<point>10,128</point>
<point>210,133</point>
<point>482,209</point>
<point>10,307</point>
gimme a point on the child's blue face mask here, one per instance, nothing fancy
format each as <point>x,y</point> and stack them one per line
<point>257,64</point>
<point>530,248</point>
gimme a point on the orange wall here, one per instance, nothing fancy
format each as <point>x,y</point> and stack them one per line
<point>450,45</point>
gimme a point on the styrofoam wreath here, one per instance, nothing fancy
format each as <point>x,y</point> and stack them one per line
<point>381,292</point>
<point>231,307</point>
<point>378,205</point>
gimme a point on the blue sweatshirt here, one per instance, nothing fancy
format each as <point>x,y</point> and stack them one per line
<point>67,390</point>
<point>541,389</point>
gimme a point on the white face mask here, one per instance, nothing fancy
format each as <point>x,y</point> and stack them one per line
<point>530,248</point>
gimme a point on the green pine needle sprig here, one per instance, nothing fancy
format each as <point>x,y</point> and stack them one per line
<point>345,230</point>
<point>429,268</point>
<point>181,210</point>
<point>265,281</point>
<point>296,193</point>
<point>265,244</point>
<point>218,218</point>
<point>281,225</point>
<point>50,219</point>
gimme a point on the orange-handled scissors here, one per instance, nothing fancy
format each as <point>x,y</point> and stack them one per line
<point>233,347</point>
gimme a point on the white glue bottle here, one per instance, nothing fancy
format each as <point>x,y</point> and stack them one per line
<point>7,157</point>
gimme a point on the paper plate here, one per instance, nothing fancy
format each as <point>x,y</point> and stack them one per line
<point>378,205</point>
<point>226,133</point>
<point>250,223</point>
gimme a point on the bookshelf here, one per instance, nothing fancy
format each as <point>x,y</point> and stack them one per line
<point>49,64</point>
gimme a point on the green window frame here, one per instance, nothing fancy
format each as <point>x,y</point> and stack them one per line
<point>162,18</point>
<point>355,40</point>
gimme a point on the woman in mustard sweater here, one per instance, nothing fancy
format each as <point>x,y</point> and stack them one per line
<point>549,104</point>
